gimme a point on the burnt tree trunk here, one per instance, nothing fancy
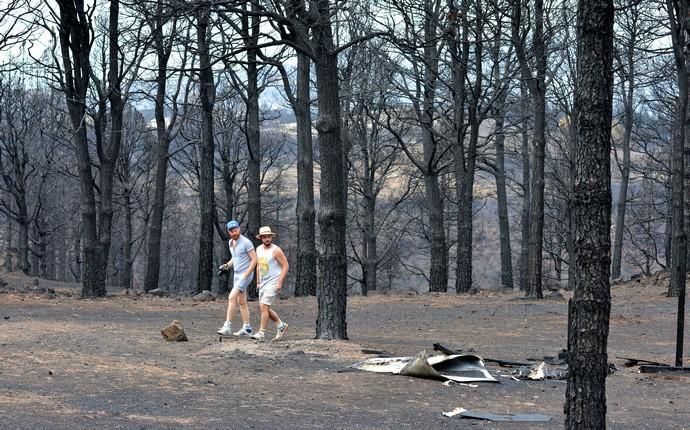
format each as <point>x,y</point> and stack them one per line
<point>524,215</point>
<point>126,277</point>
<point>679,235</point>
<point>536,83</point>
<point>305,281</point>
<point>463,280</point>
<point>331,293</point>
<point>619,225</point>
<point>163,51</point>
<point>110,153</point>
<point>502,200</point>
<point>75,46</point>
<point>250,28</point>
<point>438,272</point>
<point>207,94</point>
<point>585,405</point>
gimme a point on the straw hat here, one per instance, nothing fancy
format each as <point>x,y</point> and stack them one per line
<point>265,231</point>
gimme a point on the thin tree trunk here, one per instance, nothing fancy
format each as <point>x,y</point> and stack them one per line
<point>570,210</point>
<point>23,240</point>
<point>78,260</point>
<point>502,201</point>
<point>126,277</point>
<point>10,252</point>
<point>253,137</point>
<point>371,255</point>
<point>331,292</point>
<point>585,405</point>
<point>439,253</point>
<point>463,281</point>
<point>305,282</point>
<point>537,88</point>
<point>61,263</point>
<point>526,197</point>
<point>619,225</point>
<point>153,262</point>
<point>536,214</point>
<point>75,47</point>
<point>679,242</point>
<point>465,164</point>
<point>207,94</point>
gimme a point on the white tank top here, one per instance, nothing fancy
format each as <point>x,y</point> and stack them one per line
<point>269,268</point>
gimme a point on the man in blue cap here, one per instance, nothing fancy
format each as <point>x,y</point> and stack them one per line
<point>244,262</point>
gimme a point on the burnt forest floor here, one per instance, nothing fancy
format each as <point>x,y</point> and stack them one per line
<point>69,363</point>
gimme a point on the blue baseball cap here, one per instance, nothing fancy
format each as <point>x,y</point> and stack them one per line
<point>232,225</point>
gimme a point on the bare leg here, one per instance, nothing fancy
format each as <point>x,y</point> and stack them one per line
<point>273,315</point>
<point>265,311</point>
<point>244,308</point>
<point>232,300</point>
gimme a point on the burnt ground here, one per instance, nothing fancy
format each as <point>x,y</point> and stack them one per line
<point>69,363</point>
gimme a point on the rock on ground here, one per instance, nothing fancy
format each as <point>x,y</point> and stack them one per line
<point>204,296</point>
<point>158,292</point>
<point>174,332</point>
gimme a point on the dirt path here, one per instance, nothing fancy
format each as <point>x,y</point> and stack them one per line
<point>70,363</point>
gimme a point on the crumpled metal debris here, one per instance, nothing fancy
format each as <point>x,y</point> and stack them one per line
<point>456,367</point>
<point>541,372</point>
<point>464,413</point>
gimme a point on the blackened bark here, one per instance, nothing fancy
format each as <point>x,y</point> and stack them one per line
<point>585,405</point>
<point>75,45</point>
<point>619,225</point>
<point>305,282</point>
<point>250,34</point>
<point>439,253</point>
<point>524,217</point>
<point>438,272</point>
<point>23,238</point>
<point>331,291</point>
<point>463,280</point>
<point>9,254</point>
<point>207,94</point>
<point>502,201</point>
<point>371,254</point>
<point>163,51</point>
<point>679,235</point>
<point>570,211</point>
<point>536,213</point>
<point>126,277</point>
<point>537,87</point>
<point>109,154</point>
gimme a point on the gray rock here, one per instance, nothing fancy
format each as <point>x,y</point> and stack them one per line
<point>36,281</point>
<point>158,292</point>
<point>204,296</point>
<point>174,332</point>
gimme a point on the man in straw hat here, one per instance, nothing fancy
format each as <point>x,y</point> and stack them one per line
<point>243,261</point>
<point>271,270</point>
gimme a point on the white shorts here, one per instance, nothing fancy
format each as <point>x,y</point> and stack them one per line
<point>240,283</point>
<point>267,294</point>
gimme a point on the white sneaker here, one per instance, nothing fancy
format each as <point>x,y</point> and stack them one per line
<point>226,330</point>
<point>259,335</point>
<point>244,331</point>
<point>281,331</point>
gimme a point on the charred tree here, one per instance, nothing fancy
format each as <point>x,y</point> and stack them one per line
<point>585,404</point>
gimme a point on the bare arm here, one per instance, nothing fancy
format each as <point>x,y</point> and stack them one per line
<point>252,265</point>
<point>284,266</point>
